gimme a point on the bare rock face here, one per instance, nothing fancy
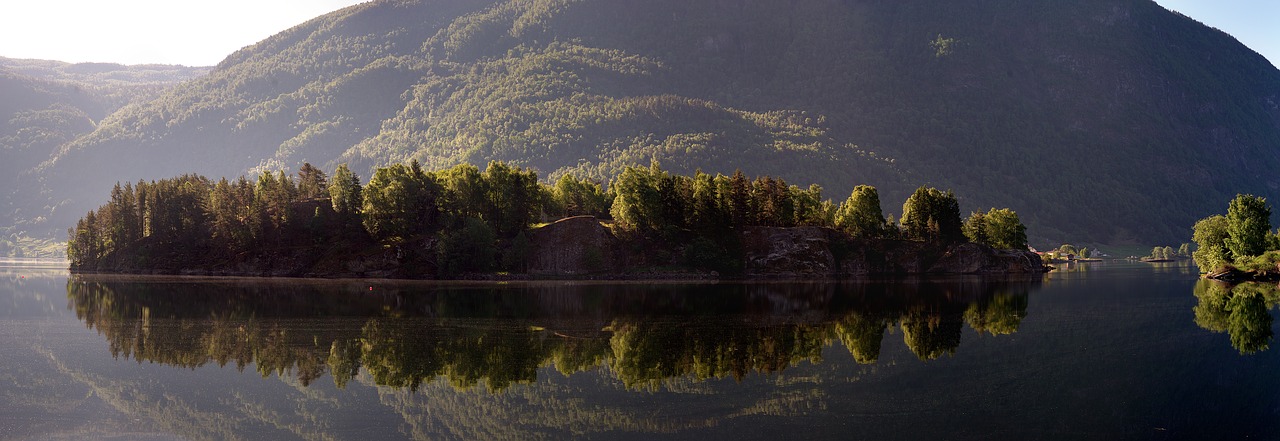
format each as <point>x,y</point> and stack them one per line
<point>573,246</point>
<point>821,252</point>
<point>788,252</point>
<point>972,258</point>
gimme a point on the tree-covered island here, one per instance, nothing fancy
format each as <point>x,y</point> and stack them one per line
<point>1239,246</point>
<point>464,222</point>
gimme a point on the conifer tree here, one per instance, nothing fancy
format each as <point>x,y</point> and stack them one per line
<point>345,193</point>
<point>933,215</point>
<point>312,182</point>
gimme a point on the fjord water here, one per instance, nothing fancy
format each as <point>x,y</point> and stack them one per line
<point>1094,351</point>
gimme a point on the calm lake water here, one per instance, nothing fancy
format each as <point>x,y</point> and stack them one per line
<point>1100,351</point>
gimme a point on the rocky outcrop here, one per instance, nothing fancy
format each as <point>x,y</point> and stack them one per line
<point>573,246</point>
<point>972,258</point>
<point>823,252</point>
<point>1235,276</point>
<point>794,252</point>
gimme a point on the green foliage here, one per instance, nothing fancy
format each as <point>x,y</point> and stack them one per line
<point>1248,226</point>
<point>975,228</point>
<point>932,215</point>
<point>1267,261</point>
<point>930,338</point>
<point>477,216</point>
<point>564,87</point>
<point>235,223</point>
<point>513,198</point>
<point>646,199</point>
<point>1210,235</point>
<point>346,194</point>
<point>1249,323</point>
<point>400,202</point>
<point>862,336</point>
<point>573,196</point>
<point>312,182</point>
<point>1005,230</point>
<point>470,248</point>
<point>1158,253</point>
<point>1002,314</point>
<point>1242,311</point>
<point>171,213</point>
<point>1242,238</point>
<point>860,215</point>
<point>942,46</point>
<point>702,331</point>
<point>1000,229</point>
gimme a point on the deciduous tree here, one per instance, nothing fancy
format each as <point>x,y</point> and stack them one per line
<point>1248,224</point>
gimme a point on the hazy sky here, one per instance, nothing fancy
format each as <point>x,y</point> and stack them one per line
<point>202,33</point>
<point>194,33</point>
<point>1256,23</point>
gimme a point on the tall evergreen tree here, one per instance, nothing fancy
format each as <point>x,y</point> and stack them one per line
<point>931,214</point>
<point>345,193</point>
<point>975,228</point>
<point>312,182</point>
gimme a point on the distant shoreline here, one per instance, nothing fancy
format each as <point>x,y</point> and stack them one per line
<point>35,262</point>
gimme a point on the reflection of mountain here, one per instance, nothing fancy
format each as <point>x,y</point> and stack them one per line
<point>407,334</point>
<point>1242,311</point>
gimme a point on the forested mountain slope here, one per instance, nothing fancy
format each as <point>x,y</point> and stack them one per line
<point>43,106</point>
<point>1106,121</point>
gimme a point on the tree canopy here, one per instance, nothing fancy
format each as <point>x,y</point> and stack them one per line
<point>463,220</point>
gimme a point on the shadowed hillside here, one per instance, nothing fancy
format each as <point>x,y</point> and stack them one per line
<point>43,106</point>
<point>1105,121</point>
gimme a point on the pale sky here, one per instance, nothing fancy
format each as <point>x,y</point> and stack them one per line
<point>188,32</point>
<point>202,33</point>
<point>1256,23</point>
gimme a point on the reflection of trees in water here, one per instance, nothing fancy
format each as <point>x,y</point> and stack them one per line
<point>1242,311</point>
<point>861,334</point>
<point>645,352</point>
<point>502,335</point>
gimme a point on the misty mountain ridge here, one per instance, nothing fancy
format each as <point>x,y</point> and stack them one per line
<point>1098,121</point>
<point>45,106</point>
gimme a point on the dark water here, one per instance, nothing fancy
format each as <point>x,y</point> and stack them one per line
<point>1105,351</point>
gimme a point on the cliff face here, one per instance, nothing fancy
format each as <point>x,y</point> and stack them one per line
<point>573,246</point>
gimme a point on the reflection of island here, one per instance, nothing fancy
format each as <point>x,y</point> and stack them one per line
<point>406,334</point>
<point>1242,311</point>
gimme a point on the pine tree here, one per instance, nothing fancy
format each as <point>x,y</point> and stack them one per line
<point>312,182</point>
<point>932,215</point>
<point>345,194</point>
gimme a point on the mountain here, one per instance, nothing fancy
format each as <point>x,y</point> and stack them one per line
<point>46,105</point>
<point>1111,121</point>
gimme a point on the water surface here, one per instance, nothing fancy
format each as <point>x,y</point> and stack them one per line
<point>1097,351</point>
